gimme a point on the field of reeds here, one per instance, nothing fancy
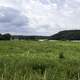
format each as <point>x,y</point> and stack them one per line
<point>35,60</point>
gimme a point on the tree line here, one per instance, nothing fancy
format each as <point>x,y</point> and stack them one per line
<point>62,35</point>
<point>6,36</point>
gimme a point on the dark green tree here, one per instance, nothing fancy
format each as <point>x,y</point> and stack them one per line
<point>6,36</point>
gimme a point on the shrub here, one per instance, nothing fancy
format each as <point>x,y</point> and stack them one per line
<point>61,56</point>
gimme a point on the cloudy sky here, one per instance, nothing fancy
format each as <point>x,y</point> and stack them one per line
<point>39,17</point>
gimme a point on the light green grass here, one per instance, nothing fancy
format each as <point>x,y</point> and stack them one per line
<point>34,60</point>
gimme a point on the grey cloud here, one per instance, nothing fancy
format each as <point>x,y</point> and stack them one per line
<point>8,14</point>
<point>44,1</point>
<point>20,21</point>
<point>12,20</point>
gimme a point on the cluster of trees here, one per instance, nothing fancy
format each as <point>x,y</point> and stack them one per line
<point>67,35</point>
<point>8,36</point>
<point>5,36</point>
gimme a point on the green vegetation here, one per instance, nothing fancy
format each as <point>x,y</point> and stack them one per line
<point>34,60</point>
<point>67,35</point>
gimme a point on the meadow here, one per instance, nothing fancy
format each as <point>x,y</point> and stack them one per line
<point>36,60</point>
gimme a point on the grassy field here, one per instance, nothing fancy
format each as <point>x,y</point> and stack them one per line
<point>34,60</point>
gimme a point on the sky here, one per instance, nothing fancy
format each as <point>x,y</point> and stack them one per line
<point>39,17</point>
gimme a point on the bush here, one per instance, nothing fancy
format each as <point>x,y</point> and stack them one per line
<point>61,56</point>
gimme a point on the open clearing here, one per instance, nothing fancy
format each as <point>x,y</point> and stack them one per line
<point>35,60</point>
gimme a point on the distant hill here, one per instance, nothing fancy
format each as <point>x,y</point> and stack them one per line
<point>62,35</point>
<point>20,37</point>
<point>67,35</point>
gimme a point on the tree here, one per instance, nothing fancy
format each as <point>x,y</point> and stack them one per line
<point>0,36</point>
<point>6,36</point>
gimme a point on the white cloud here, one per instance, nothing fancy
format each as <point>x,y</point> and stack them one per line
<point>47,16</point>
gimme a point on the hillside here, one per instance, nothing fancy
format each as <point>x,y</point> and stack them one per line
<point>67,35</point>
<point>62,35</point>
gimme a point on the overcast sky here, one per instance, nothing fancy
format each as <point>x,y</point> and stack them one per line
<point>39,17</point>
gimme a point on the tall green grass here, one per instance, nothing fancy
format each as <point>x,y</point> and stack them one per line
<point>34,60</point>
